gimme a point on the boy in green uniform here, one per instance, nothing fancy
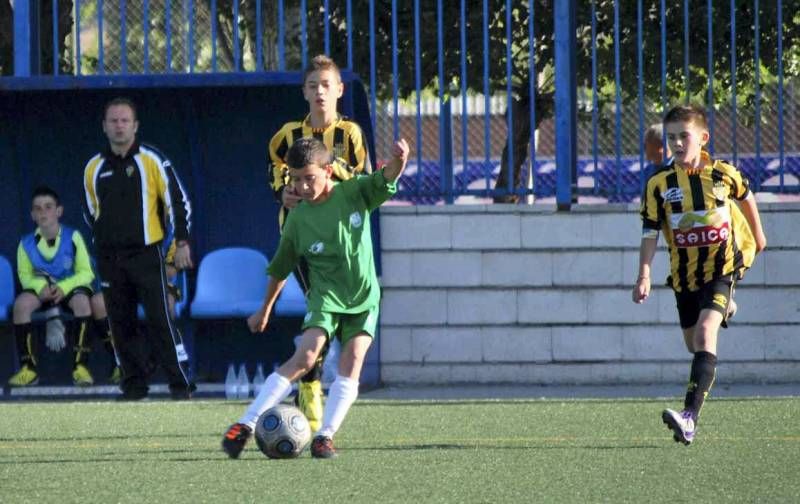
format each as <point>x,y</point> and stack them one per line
<point>691,200</point>
<point>54,270</point>
<point>322,88</point>
<point>330,229</point>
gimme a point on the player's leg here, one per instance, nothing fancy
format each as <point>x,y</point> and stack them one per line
<point>25,304</point>
<point>78,334</point>
<point>681,423</point>
<point>309,388</point>
<point>330,367</point>
<point>163,337</point>
<point>102,328</point>
<point>276,388</point>
<point>712,307</point>
<point>119,294</point>
<point>358,331</point>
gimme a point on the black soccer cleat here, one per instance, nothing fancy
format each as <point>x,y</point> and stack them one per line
<point>322,447</point>
<point>235,438</point>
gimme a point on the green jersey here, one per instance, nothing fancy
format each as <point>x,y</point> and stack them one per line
<point>334,238</point>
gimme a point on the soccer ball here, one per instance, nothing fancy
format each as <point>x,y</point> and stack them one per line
<point>282,432</point>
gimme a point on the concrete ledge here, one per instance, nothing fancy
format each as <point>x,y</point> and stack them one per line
<point>605,373</point>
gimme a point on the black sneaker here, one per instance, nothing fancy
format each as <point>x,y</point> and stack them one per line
<point>235,438</point>
<point>322,447</point>
<point>132,395</point>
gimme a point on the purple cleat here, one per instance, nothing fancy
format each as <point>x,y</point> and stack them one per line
<point>681,424</point>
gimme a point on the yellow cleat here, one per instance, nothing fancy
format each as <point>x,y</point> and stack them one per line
<point>25,377</point>
<point>81,376</point>
<point>309,400</point>
<point>116,375</point>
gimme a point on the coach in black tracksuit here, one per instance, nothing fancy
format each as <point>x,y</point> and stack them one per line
<point>132,194</point>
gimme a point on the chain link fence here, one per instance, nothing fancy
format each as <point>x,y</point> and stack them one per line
<point>179,36</point>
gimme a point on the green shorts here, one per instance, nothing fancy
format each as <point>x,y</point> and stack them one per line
<point>346,325</point>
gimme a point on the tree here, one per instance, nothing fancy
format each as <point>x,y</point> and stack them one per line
<point>544,63</point>
<point>65,8</point>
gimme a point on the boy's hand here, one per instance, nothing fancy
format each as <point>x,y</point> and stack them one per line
<point>257,322</point>
<point>46,294</point>
<point>57,294</point>
<point>183,256</point>
<point>289,197</point>
<point>392,171</point>
<point>400,150</point>
<point>641,290</point>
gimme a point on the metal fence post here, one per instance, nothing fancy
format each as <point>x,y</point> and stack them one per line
<point>22,38</point>
<point>565,103</point>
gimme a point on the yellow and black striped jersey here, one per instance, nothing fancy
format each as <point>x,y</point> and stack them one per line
<point>343,138</point>
<point>699,219</point>
<point>131,199</point>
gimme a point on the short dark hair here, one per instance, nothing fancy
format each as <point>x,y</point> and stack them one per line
<point>44,190</point>
<point>306,151</point>
<point>321,62</point>
<point>687,113</point>
<point>655,133</point>
<point>120,100</point>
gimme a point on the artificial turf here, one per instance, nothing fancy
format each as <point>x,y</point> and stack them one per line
<point>613,450</point>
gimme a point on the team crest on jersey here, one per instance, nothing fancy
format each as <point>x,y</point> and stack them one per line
<point>316,248</point>
<point>129,170</point>
<point>720,190</point>
<point>355,220</point>
<point>673,195</point>
<point>68,263</point>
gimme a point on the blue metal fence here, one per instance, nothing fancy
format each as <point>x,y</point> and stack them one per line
<point>490,48</point>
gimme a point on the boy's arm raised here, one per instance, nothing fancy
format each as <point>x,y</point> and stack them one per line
<point>395,167</point>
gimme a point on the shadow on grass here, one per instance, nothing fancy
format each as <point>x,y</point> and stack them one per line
<point>106,438</point>
<point>189,455</point>
<point>445,401</point>
<point>473,447</point>
<point>209,453</point>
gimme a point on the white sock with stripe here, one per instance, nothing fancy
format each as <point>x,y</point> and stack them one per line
<point>276,388</point>
<point>341,396</point>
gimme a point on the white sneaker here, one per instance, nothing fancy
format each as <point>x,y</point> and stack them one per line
<point>681,424</point>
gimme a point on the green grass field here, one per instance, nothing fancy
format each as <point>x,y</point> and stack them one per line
<point>747,450</point>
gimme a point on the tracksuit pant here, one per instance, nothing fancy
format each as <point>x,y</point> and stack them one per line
<point>137,275</point>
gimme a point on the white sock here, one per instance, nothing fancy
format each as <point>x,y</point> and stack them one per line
<point>275,389</point>
<point>341,396</point>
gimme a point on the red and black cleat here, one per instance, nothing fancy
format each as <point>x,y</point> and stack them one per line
<point>235,439</point>
<point>322,447</point>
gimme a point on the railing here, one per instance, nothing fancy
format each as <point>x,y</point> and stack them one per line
<point>595,93</point>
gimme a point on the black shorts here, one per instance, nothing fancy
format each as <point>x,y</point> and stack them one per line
<point>714,295</point>
<point>81,289</point>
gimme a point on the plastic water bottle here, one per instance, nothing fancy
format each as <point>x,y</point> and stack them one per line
<point>231,387</point>
<point>258,380</point>
<point>243,382</point>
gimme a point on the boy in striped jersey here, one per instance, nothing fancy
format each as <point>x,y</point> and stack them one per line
<point>690,199</point>
<point>322,88</point>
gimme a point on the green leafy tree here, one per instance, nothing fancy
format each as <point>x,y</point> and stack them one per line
<point>46,39</point>
<point>676,89</point>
